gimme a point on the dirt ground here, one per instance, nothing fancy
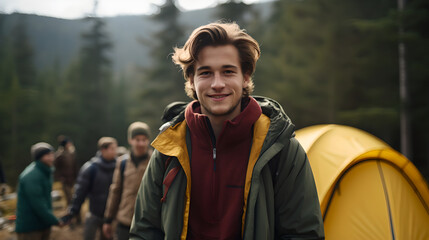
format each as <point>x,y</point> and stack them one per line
<point>57,233</point>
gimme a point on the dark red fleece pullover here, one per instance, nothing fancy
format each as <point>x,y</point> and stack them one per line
<point>218,171</point>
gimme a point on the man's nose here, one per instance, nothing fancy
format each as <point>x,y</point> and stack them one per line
<point>218,81</point>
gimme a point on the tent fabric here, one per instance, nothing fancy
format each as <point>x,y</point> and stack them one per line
<point>367,190</point>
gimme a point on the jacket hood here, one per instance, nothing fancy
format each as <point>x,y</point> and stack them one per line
<point>173,114</point>
<point>280,122</point>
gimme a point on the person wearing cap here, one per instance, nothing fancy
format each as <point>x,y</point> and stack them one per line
<point>93,181</point>
<point>34,215</point>
<point>126,181</point>
<point>65,166</point>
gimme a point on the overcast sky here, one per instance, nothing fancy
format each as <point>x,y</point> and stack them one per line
<point>71,9</point>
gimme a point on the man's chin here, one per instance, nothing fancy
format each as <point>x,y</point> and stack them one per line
<point>222,111</point>
<point>139,153</point>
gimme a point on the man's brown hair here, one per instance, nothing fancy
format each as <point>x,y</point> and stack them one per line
<point>217,34</point>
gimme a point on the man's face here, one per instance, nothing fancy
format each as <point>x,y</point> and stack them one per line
<point>48,159</point>
<point>218,81</point>
<point>110,152</point>
<point>139,145</point>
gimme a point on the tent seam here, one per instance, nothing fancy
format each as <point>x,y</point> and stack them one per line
<point>386,195</point>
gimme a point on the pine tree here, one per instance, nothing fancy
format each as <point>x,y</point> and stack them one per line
<point>321,64</point>
<point>86,100</point>
<point>19,105</point>
<point>234,11</point>
<point>23,54</point>
<point>162,81</point>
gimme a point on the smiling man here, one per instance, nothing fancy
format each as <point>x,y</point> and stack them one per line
<point>227,165</point>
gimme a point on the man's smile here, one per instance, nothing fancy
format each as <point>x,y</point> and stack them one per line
<point>218,97</point>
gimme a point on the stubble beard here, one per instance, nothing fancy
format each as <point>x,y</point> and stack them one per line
<point>231,110</point>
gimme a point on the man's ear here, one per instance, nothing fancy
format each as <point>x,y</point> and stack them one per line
<point>246,80</point>
<point>191,82</point>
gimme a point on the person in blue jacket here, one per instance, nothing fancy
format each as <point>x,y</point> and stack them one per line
<point>93,182</point>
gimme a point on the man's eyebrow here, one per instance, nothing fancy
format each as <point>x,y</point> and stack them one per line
<point>208,68</point>
<point>203,68</point>
<point>230,66</point>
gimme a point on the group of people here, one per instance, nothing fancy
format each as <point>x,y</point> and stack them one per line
<point>108,181</point>
<point>224,166</point>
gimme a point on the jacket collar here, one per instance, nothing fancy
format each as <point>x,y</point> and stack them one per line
<point>44,168</point>
<point>174,113</point>
<point>233,131</point>
<point>104,164</point>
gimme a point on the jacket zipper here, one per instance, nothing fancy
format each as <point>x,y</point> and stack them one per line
<point>213,139</point>
<point>214,179</point>
<point>214,158</point>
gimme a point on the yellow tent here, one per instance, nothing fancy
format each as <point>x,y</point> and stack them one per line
<point>366,189</point>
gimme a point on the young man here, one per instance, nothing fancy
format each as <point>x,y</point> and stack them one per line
<point>65,166</point>
<point>228,166</point>
<point>34,216</point>
<point>126,181</point>
<point>94,180</point>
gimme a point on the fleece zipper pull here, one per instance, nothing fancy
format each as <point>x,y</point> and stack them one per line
<point>214,158</point>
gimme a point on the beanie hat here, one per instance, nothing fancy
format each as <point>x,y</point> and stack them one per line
<point>38,150</point>
<point>138,128</point>
<point>104,142</point>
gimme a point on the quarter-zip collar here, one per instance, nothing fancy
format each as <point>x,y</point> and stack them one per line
<point>200,123</point>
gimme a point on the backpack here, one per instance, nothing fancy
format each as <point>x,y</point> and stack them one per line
<point>122,169</point>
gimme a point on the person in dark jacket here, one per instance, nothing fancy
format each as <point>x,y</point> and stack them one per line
<point>34,216</point>
<point>93,181</point>
<point>227,166</point>
<point>65,166</point>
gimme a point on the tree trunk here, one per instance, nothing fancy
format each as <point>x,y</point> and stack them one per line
<point>403,90</point>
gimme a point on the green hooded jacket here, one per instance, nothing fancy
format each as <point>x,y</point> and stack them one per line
<point>280,196</point>
<point>34,207</point>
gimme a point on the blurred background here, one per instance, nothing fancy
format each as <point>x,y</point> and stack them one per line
<point>89,71</point>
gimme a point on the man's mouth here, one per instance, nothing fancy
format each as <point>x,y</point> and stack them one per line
<point>219,96</point>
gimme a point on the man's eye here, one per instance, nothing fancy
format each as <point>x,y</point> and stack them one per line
<point>229,72</point>
<point>204,73</point>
